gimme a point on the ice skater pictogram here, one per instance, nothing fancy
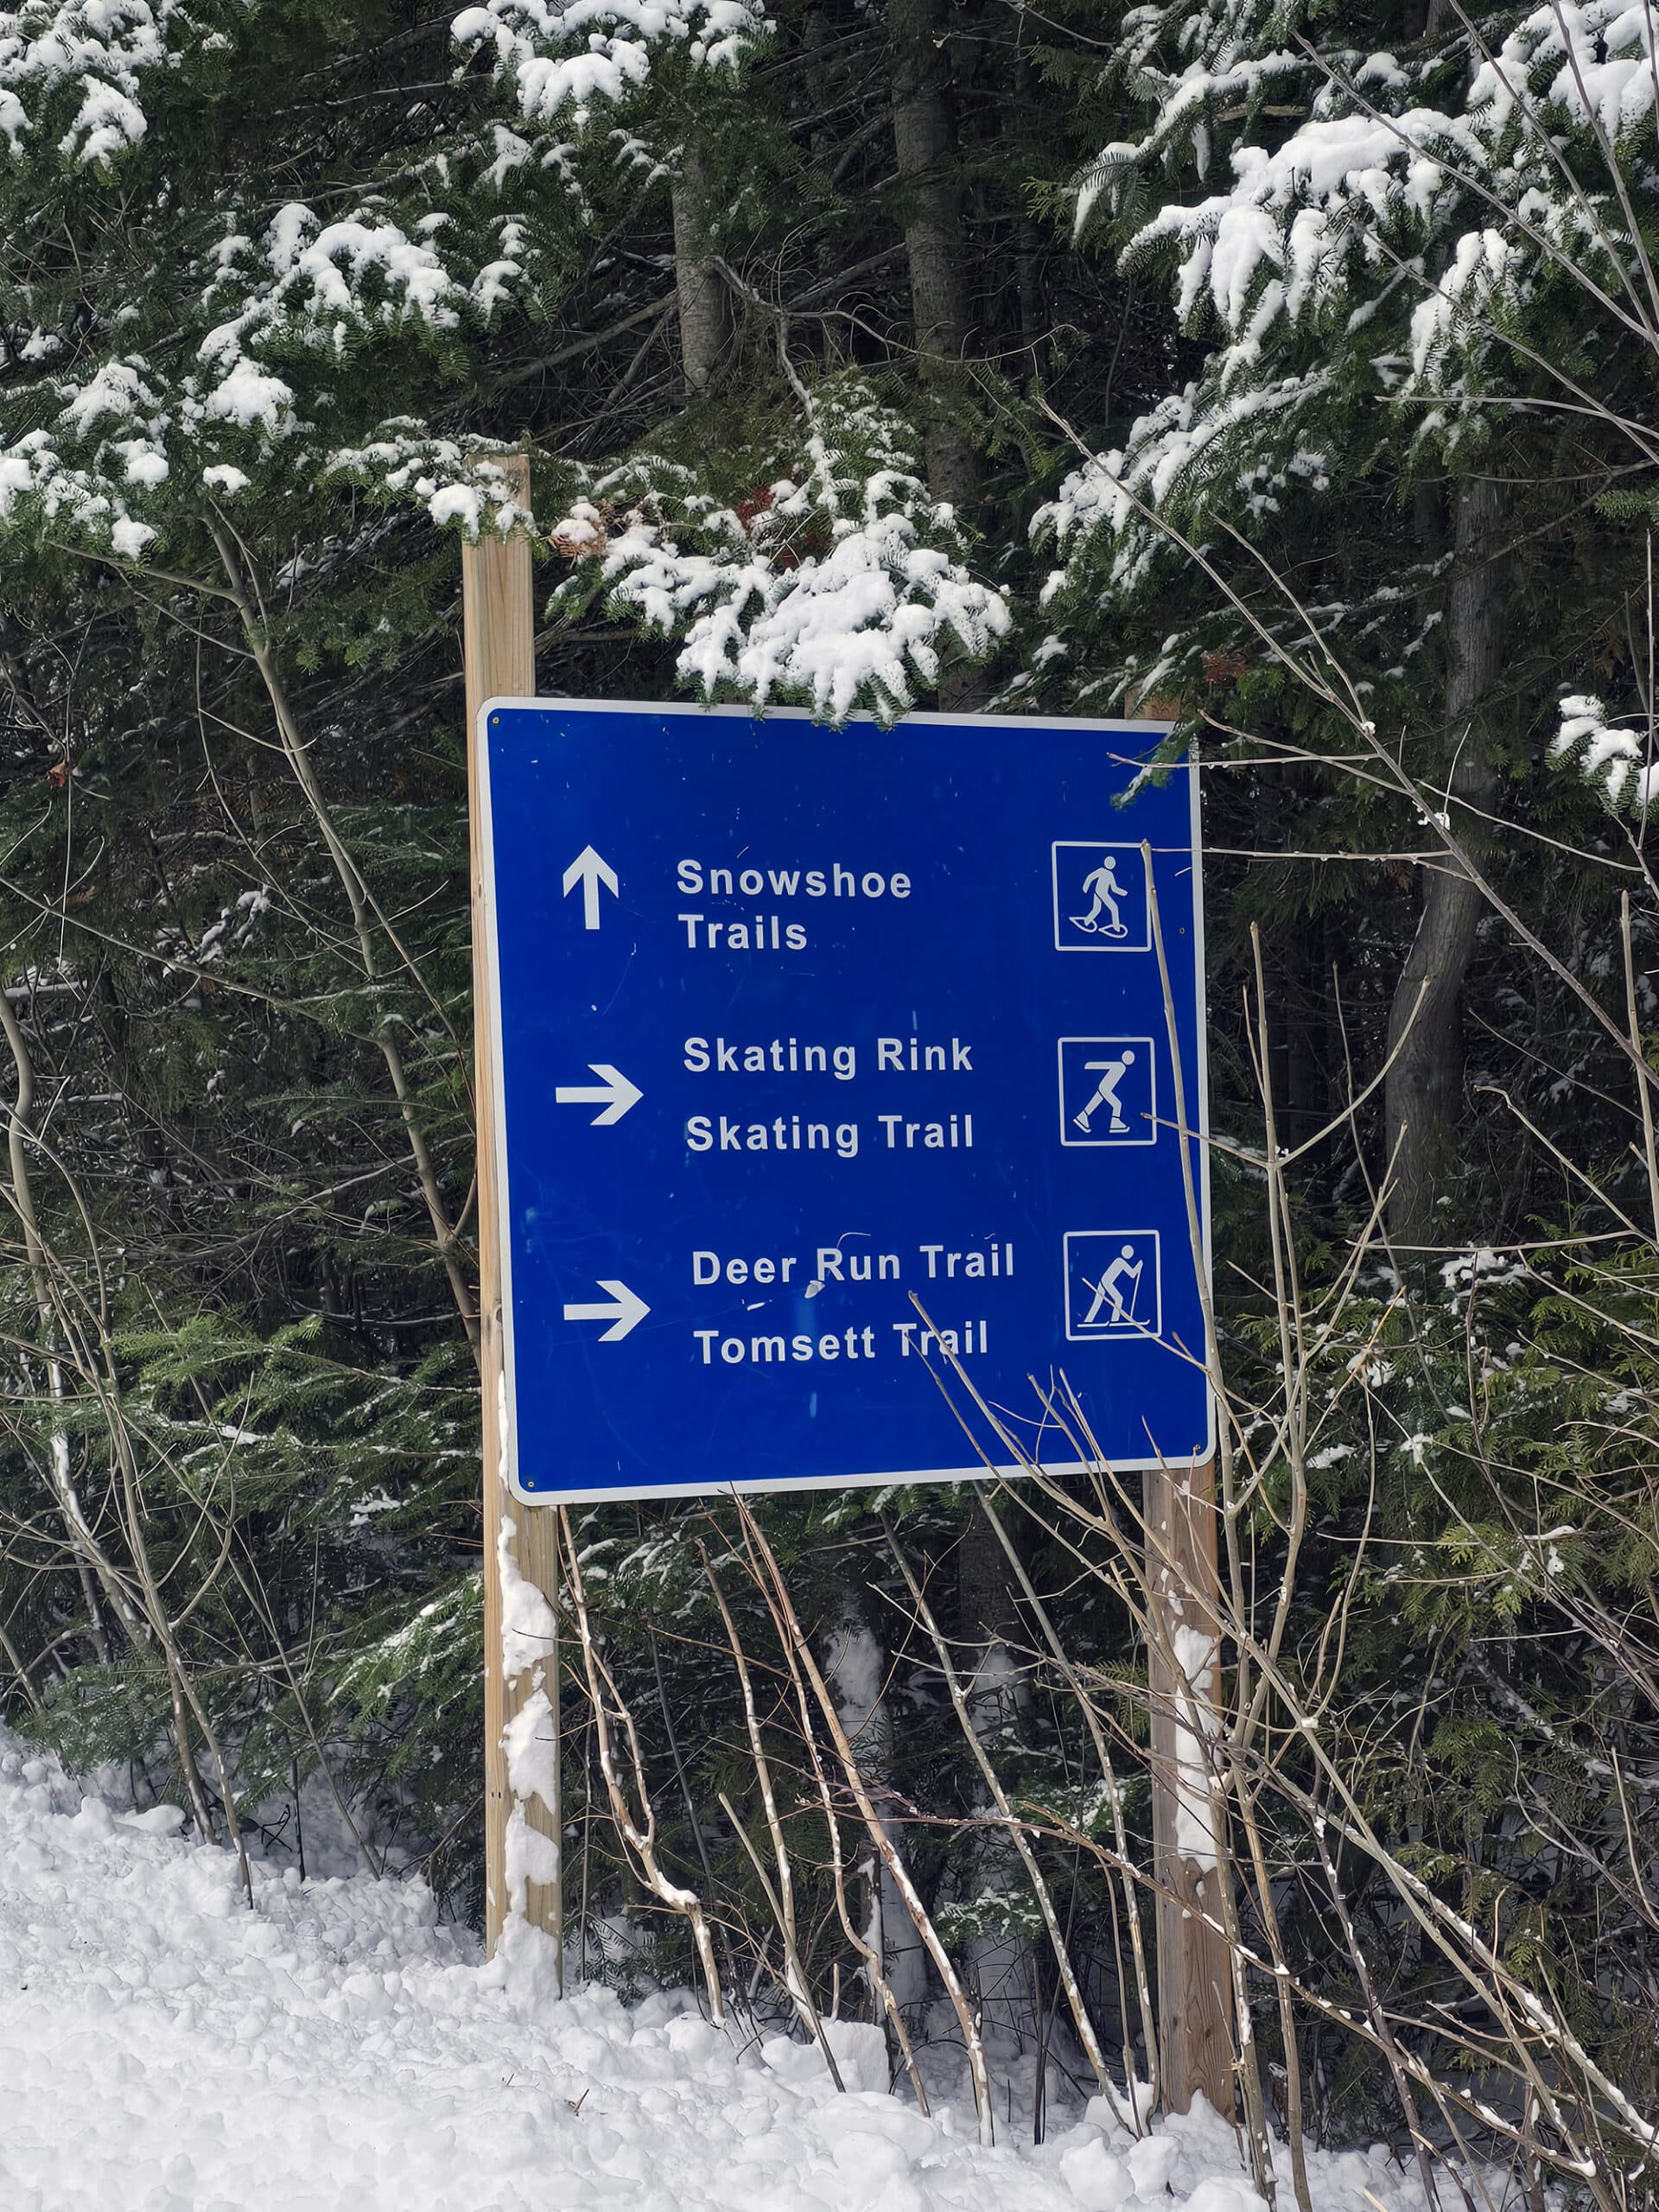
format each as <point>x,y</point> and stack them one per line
<point>1107,1090</point>
<point>1111,1072</point>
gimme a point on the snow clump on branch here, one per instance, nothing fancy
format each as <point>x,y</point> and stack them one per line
<point>1394,244</point>
<point>837,587</point>
<point>92,53</point>
<point>1619,760</point>
<point>123,447</point>
<point>558,53</point>
<point>1367,169</point>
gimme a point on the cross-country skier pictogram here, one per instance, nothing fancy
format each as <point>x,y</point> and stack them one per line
<point>1113,1291</point>
<point>1111,1073</point>
<point>1105,891</point>
<point>1125,1268</point>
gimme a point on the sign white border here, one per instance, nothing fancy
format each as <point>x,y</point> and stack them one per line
<point>762,1486</point>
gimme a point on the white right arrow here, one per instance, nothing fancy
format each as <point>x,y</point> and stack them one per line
<point>589,870</point>
<point>613,1091</point>
<point>627,1311</point>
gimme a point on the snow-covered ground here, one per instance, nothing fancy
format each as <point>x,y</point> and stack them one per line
<point>163,2048</point>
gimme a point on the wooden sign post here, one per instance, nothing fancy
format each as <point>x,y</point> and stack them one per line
<point>1195,2008</point>
<point>520,1542</point>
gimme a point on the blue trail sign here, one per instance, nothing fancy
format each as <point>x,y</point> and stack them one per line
<point>825,1056</point>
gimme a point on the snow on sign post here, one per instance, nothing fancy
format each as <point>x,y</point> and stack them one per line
<point>793,1023</point>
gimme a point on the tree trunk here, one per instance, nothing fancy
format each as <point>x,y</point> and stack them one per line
<point>704,302</point>
<point>1426,1021</point>
<point>925,143</point>
<point>856,1667</point>
<point>988,1606</point>
<point>1003,1970</point>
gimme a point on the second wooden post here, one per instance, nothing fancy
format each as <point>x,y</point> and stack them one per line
<point>1195,2007</point>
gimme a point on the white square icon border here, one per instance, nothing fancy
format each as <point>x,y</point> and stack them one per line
<point>1143,943</point>
<point>1107,1143</point>
<point>1119,1336</point>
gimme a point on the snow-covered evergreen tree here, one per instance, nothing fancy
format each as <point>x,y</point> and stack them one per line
<point>1323,413</point>
<point>1420,266</point>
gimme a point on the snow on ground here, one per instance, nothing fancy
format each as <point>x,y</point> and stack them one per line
<point>163,2048</point>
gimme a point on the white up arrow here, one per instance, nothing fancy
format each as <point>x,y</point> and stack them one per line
<point>589,871</point>
<point>627,1311</point>
<point>613,1091</point>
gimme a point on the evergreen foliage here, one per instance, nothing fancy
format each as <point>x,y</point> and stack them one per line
<point>1298,346</point>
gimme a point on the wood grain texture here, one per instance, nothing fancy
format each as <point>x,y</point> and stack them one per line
<point>1195,2008</point>
<point>498,629</point>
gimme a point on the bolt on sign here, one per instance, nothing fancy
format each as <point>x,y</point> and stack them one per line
<point>830,1062</point>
